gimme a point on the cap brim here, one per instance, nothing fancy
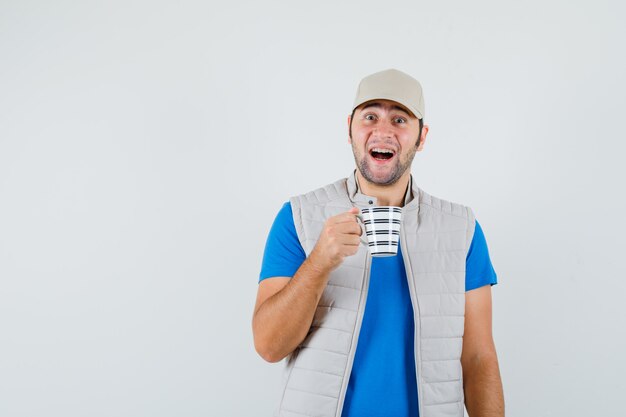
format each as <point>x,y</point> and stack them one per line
<point>414,112</point>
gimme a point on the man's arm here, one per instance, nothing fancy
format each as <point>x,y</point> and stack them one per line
<point>481,375</point>
<point>284,311</point>
<point>285,307</point>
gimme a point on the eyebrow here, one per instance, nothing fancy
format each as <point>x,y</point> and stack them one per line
<point>377,105</point>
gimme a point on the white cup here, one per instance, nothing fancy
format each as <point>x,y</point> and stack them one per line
<point>381,229</point>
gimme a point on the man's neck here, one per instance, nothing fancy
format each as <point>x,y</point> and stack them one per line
<point>387,195</point>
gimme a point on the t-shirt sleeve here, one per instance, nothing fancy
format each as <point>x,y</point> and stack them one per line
<point>283,253</point>
<point>478,268</point>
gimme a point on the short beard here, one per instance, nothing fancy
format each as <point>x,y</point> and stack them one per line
<point>399,169</point>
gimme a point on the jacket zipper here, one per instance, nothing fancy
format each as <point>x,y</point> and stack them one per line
<point>416,320</point>
<point>357,330</point>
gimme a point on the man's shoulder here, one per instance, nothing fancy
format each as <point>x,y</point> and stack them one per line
<point>428,201</point>
<point>333,192</point>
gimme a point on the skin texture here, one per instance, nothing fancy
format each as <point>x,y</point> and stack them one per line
<point>285,306</point>
<point>384,123</point>
<point>482,384</point>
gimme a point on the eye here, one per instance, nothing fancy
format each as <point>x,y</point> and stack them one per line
<point>369,117</point>
<point>399,120</point>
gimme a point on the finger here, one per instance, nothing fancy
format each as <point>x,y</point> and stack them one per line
<point>349,240</point>
<point>349,228</point>
<point>349,250</point>
<point>347,217</point>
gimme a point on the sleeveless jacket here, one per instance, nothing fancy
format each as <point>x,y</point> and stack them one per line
<point>435,237</point>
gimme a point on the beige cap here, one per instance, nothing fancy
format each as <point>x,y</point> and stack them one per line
<point>392,85</point>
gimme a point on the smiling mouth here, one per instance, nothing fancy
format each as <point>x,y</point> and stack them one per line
<point>382,154</point>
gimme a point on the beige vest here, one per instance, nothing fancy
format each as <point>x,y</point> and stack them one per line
<point>435,238</point>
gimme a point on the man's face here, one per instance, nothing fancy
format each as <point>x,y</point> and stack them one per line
<point>384,136</point>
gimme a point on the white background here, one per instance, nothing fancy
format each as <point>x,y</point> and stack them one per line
<point>146,146</point>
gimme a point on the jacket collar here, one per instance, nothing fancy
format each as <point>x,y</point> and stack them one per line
<point>411,197</point>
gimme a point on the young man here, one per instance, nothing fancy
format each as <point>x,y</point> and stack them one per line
<point>400,336</point>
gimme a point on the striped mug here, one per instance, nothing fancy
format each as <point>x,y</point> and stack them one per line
<point>381,229</point>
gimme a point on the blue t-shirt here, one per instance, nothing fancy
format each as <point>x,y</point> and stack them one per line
<point>383,380</point>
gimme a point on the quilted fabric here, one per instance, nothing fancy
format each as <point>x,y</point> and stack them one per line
<point>435,237</point>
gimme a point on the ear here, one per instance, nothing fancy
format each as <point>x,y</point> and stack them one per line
<point>349,138</point>
<point>423,138</point>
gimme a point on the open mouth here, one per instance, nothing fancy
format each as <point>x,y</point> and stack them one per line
<point>381,154</point>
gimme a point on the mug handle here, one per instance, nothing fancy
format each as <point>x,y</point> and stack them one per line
<point>361,222</point>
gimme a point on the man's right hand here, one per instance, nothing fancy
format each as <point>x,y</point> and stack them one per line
<point>286,306</point>
<point>340,237</point>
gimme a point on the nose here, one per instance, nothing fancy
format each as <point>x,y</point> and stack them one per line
<point>384,129</point>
